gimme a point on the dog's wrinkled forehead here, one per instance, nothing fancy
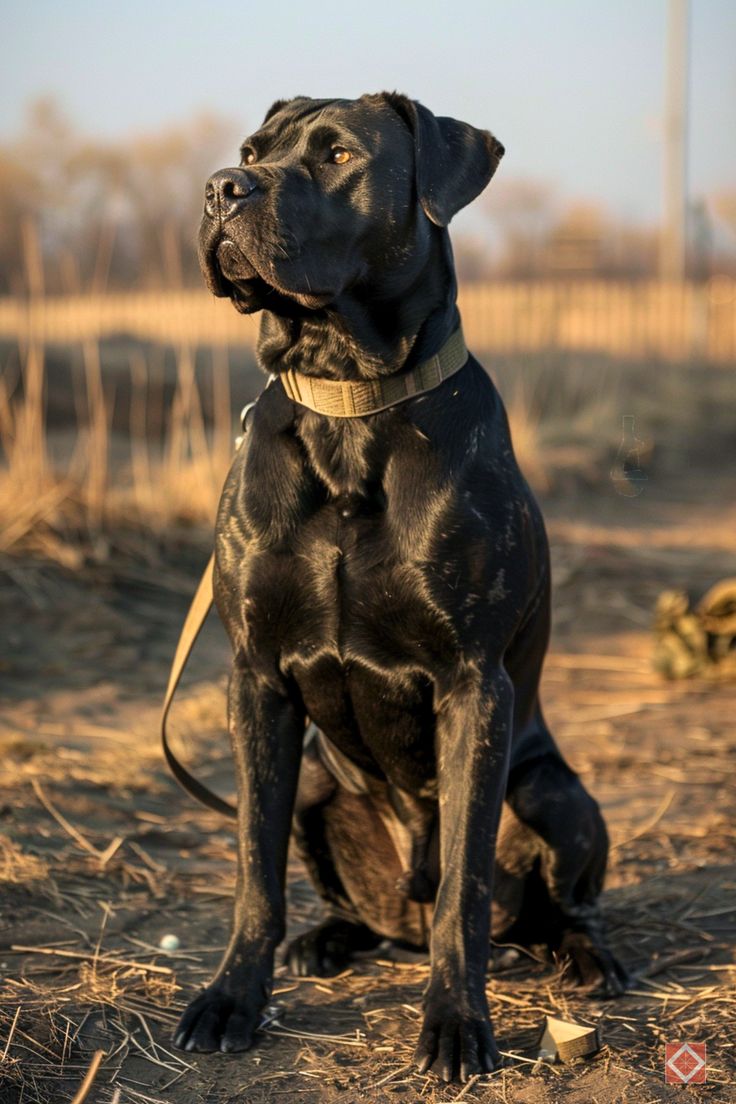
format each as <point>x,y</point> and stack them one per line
<point>369,122</point>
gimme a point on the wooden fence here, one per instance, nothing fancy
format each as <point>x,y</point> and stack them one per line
<point>667,321</point>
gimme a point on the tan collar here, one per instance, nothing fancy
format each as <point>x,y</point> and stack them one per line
<point>356,398</point>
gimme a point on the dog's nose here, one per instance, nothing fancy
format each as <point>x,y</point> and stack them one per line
<point>226,191</point>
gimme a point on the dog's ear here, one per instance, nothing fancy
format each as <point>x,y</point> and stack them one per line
<point>275,107</point>
<point>453,161</point>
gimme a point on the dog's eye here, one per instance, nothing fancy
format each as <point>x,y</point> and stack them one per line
<point>249,156</point>
<point>339,156</point>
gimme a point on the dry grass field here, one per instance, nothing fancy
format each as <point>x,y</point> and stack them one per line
<point>113,452</point>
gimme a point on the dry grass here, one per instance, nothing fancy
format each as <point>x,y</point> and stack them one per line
<point>354,1034</point>
<point>19,867</point>
<point>43,1056</point>
<point>564,423</point>
<point>71,510</point>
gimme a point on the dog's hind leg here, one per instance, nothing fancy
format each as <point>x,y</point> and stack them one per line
<point>324,950</point>
<point>555,814</point>
<point>554,809</point>
<point>355,869</point>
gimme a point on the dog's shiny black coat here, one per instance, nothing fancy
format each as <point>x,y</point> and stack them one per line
<point>388,578</point>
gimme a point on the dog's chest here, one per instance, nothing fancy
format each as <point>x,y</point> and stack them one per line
<point>352,622</point>
<point>344,589</point>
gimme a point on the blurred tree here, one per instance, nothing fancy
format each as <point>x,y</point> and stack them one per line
<point>524,212</point>
<point>577,243</point>
<point>632,251</point>
<point>108,214</point>
<point>541,237</point>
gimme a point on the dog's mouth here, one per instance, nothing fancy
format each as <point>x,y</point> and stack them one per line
<point>233,264</point>
<point>231,274</point>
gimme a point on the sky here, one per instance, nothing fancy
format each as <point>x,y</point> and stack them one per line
<point>573,88</point>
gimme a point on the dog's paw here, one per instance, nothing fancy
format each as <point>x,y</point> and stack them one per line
<point>327,949</point>
<point>456,1047</point>
<point>216,1020</point>
<point>317,953</point>
<point>588,964</point>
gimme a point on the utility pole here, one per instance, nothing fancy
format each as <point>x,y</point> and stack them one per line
<point>672,253</point>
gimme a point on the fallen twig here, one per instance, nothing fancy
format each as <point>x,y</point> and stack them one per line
<point>103,857</point>
<point>83,1090</point>
<point>390,1076</point>
<point>11,1033</point>
<point>87,956</point>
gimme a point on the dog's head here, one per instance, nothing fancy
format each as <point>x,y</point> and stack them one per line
<point>330,194</point>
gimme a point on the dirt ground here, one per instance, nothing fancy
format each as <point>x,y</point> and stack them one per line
<point>101,854</point>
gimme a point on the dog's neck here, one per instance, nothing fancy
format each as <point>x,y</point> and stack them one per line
<point>368,333</point>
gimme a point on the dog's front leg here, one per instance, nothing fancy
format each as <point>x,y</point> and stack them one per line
<point>473,739</point>
<point>266,730</point>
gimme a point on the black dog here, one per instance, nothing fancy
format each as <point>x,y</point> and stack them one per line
<point>386,576</point>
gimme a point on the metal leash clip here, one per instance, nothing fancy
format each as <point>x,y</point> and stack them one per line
<point>246,411</point>
<point>244,422</point>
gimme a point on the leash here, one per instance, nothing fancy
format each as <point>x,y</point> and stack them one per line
<point>197,614</point>
<point>193,622</point>
<point>349,399</point>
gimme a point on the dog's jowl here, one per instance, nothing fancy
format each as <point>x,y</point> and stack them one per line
<point>382,571</point>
